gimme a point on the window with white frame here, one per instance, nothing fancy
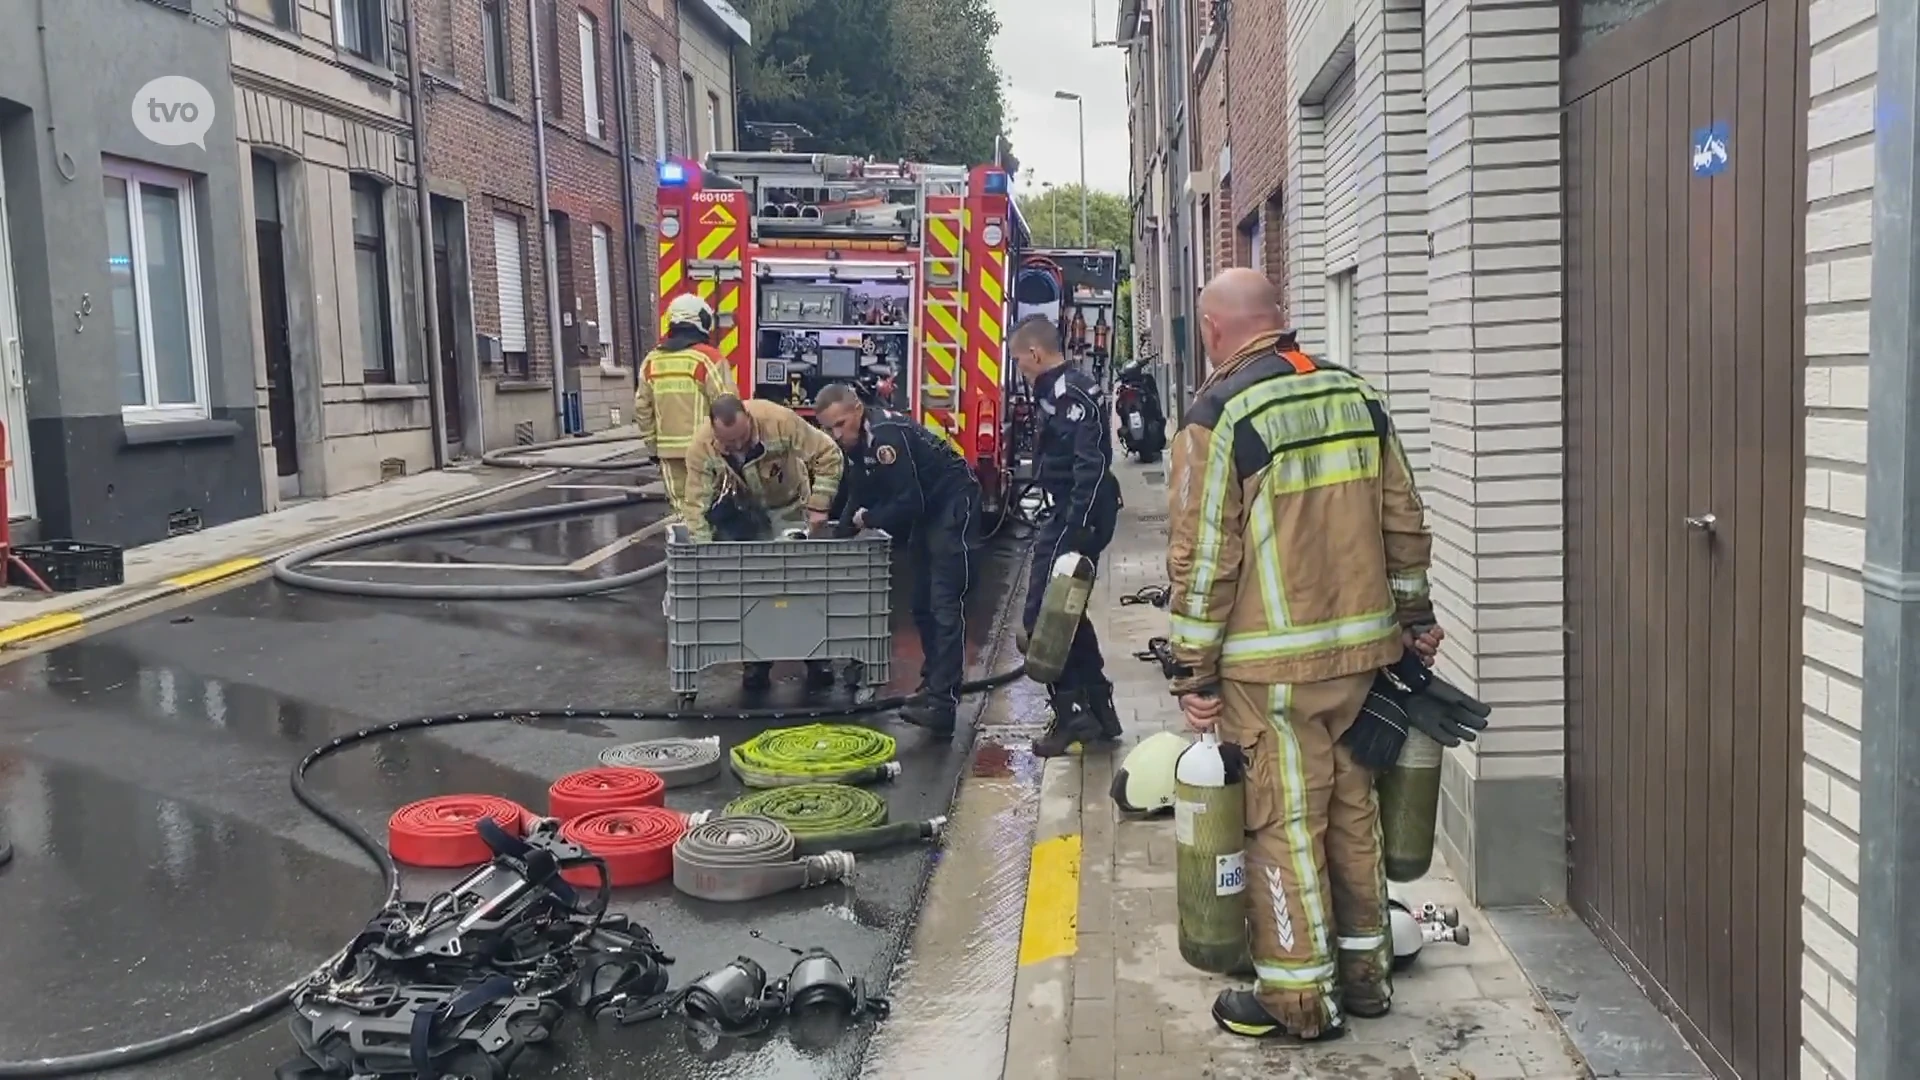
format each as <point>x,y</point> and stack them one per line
<point>1342,327</point>
<point>509,250</point>
<point>714,142</point>
<point>493,34</point>
<point>153,261</point>
<point>371,286</point>
<point>359,27</point>
<point>603,289</point>
<point>659,110</point>
<point>590,76</point>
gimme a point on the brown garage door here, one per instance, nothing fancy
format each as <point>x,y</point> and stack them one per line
<point>1684,376</point>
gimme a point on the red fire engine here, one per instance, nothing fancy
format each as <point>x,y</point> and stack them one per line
<point>823,268</point>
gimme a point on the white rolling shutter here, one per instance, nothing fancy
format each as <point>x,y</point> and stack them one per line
<point>603,282</point>
<point>509,242</point>
<point>1343,175</point>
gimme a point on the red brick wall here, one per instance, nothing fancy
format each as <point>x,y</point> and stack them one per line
<point>487,147</point>
<point>1257,73</point>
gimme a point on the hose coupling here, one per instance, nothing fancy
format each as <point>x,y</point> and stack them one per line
<point>699,817</point>
<point>936,827</point>
<point>828,868</point>
<point>890,771</point>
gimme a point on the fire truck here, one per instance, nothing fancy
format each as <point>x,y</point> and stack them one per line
<point>824,268</point>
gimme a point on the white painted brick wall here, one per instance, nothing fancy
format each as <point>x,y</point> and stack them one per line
<point>1495,366</point>
<point>1839,237</point>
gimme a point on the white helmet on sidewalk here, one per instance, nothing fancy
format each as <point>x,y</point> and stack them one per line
<point>690,311</point>
<point>1143,784</point>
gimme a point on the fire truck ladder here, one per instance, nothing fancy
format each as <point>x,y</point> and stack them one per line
<point>943,229</point>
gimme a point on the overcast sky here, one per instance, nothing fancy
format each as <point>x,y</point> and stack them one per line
<point>1046,46</point>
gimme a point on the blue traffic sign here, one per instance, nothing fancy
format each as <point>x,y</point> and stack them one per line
<point>1712,149</point>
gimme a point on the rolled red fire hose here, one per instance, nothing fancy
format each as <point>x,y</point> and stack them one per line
<point>439,832</point>
<point>605,788</point>
<point>635,842</point>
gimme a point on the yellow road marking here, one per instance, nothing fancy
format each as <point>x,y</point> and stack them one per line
<point>1050,928</point>
<point>216,572</point>
<point>40,627</point>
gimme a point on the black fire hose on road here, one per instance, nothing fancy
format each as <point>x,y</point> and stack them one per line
<point>200,1034</point>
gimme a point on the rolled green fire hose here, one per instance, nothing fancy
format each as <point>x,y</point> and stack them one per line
<point>833,817</point>
<point>746,858</point>
<point>815,754</point>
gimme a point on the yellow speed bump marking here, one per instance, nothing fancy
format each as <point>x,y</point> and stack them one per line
<point>1050,928</point>
<point>39,627</point>
<point>217,572</point>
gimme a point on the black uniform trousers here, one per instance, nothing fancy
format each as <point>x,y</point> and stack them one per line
<point>1085,667</point>
<point>941,548</point>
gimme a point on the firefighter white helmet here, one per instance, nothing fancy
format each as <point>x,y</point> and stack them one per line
<point>690,311</point>
<point>1144,782</point>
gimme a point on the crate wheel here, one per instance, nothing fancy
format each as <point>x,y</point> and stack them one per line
<point>864,694</point>
<point>856,675</point>
<point>687,699</point>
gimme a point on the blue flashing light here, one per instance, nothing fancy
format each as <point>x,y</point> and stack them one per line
<point>996,182</point>
<point>672,174</point>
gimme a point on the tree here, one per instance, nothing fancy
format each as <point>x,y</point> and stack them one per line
<point>1109,218</point>
<point>891,79</point>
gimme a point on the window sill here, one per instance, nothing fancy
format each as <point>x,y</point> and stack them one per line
<point>614,371</point>
<point>523,386</point>
<point>374,391</point>
<point>167,432</point>
<point>371,69</point>
<point>500,104</point>
<point>434,75</point>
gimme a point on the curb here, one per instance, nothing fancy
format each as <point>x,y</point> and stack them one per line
<point>1043,984</point>
<point>60,622</point>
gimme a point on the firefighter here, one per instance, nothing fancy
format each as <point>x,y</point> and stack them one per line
<point>1074,465</point>
<point>677,382</point>
<point>757,470</point>
<point>1298,553</point>
<point>914,485</point>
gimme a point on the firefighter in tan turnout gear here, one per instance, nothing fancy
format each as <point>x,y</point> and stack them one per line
<point>1297,552</point>
<point>677,383</point>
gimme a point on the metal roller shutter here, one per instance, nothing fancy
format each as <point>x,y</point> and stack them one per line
<point>509,242</point>
<point>1343,173</point>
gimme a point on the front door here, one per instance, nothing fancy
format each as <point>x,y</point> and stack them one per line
<point>449,340</point>
<point>13,383</point>
<point>1685,171</point>
<point>273,316</point>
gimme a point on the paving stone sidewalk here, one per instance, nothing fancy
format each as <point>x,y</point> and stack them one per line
<point>1126,1005</point>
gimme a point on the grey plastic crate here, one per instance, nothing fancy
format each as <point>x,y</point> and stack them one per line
<point>741,601</point>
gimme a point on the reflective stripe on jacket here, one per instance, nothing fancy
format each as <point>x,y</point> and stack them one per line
<point>671,396</point>
<point>1298,547</point>
<point>796,465</point>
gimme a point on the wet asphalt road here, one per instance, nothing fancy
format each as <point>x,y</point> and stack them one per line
<point>164,874</point>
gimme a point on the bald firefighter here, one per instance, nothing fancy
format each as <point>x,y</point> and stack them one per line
<point>756,470</point>
<point>1298,556</point>
<point>677,382</point>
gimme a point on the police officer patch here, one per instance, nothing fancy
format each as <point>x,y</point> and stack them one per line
<point>885,454</point>
<point>1075,413</point>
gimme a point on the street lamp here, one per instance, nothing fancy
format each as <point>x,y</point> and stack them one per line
<point>1047,186</point>
<point>1068,95</point>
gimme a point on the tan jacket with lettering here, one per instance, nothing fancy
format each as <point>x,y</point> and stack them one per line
<point>671,396</point>
<point>797,465</point>
<point>1298,547</point>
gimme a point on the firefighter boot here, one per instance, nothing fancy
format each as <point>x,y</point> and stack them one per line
<point>1100,703</point>
<point>1239,1012</point>
<point>756,676</point>
<point>936,714</point>
<point>1071,722</point>
<point>819,674</point>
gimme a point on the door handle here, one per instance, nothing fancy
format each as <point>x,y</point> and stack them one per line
<point>15,380</point>
<point>1703,522</point>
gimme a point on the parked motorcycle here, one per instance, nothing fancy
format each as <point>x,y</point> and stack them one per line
<point>1136,404</point>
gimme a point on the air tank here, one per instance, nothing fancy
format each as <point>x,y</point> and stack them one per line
<point>1210,867</point>
<point>1409,793</point>
<point>1068,587</point>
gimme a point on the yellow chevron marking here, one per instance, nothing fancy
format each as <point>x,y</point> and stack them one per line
<point>948,240</point>
<point>945,320</point>
<point>940,355</point>
<point>729,342</point>
<point>934,425</point>
<point>990,329</point>
<point>990,369</point>
<point>705,288</point>
<point>730,299</point>
<point>713,241</point>
<point>669,275</point>
<point>990,285</point>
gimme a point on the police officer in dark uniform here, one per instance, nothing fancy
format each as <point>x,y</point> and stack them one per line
<point>911,483</point>
<point>1074,462</point>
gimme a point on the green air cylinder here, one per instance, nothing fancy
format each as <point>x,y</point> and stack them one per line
<point>1061,606</point>
<point>1409,805</point>
<point>1210,867</point>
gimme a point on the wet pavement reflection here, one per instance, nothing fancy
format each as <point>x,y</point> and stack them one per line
<point>164,874</point>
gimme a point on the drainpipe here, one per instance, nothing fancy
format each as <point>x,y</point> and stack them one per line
<point>623,76</point>
<point>548,257</point>
<point>1889,994</point>
<point>423,211</point>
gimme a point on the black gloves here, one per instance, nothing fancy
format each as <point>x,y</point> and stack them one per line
<point>1448,715</point>
<point>1438,710</point>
